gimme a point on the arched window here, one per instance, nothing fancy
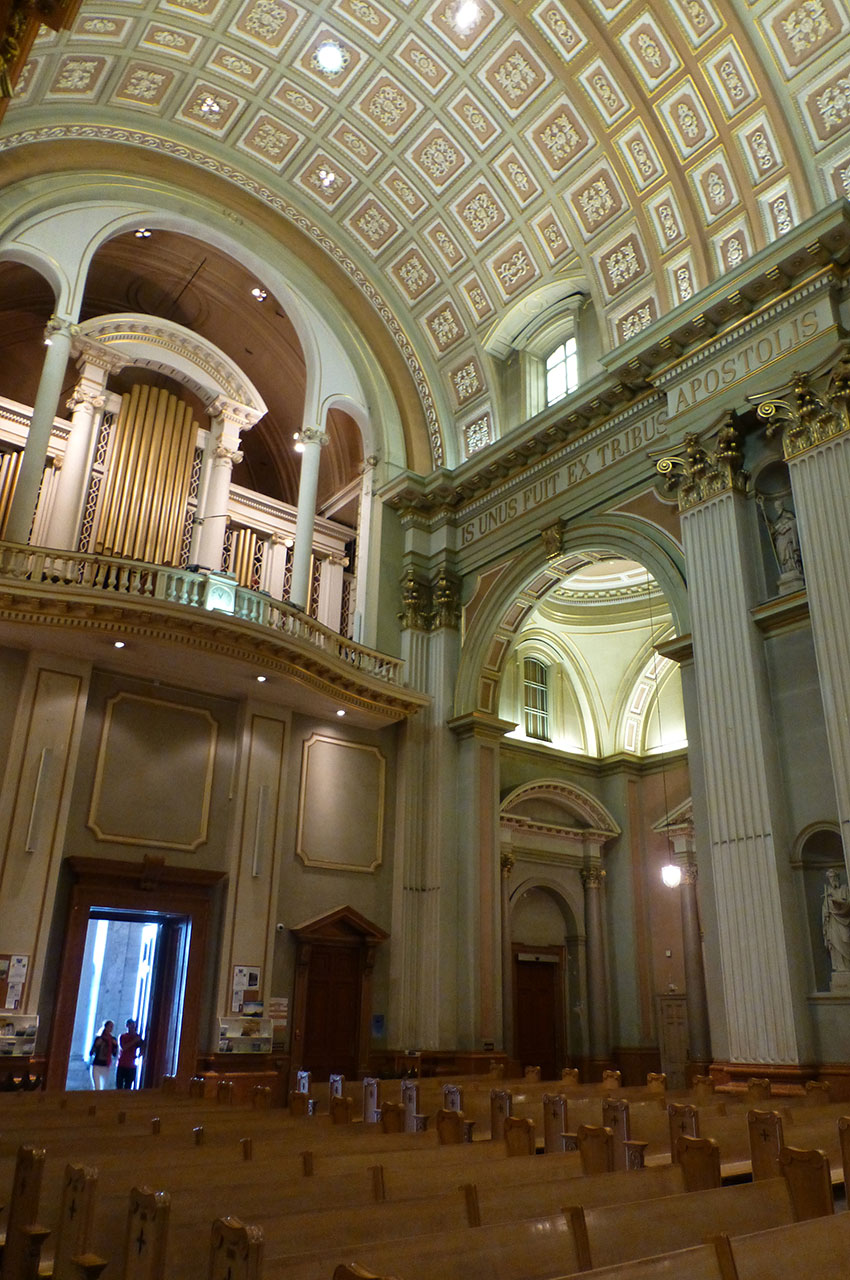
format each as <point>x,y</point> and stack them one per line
<point>561,371</point>
<point>535,676</point>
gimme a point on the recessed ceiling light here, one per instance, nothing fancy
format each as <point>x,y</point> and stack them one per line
<point>340,712</point>
<point>210,106</point>
<point>261,679</point>
<point>331,57</point>
<point>327,177</point>
<point>466,16</point>
<point>119,644</point>
<point>142,233</point>
<point>259,294</point>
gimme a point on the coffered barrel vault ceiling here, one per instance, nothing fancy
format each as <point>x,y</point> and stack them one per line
<point>632,151</point>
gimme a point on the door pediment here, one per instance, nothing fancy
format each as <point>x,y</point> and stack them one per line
<point>342,925</point>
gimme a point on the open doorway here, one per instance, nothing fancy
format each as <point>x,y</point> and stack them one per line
<point>133,966</point>
<point>169,967</point>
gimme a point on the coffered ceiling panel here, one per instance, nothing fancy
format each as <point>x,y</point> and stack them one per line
<point>642,148</point>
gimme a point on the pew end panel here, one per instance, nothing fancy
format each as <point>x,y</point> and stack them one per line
<point>236,1251</point>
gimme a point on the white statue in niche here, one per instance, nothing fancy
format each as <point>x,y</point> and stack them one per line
<point>835,917</point>
<point>782,525</point>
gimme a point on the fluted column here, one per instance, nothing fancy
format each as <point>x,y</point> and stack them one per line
<point>86,403</point>
<point>312,438</point>
<point>699,1035</point>
<point>58,335</point>
<point>222,455</point>
<point>593,880</point>
<point>330,590</point>
<point>747,822</point>
<point>506,863</point>
<point>816,443</point>
<point>274,564</point>
<point>479,890</point>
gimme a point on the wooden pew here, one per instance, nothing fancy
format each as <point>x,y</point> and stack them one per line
<point>619,1233</point>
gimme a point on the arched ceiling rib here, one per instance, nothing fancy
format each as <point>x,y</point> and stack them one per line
<point>647,148</point>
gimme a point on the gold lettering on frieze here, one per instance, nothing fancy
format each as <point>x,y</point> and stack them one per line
<point>747,357</point>
<point>584,466</point>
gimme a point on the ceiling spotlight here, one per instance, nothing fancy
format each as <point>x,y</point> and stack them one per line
<point>340,712</point>
<point>259,294</point>
<point>466,16</point>
<point>331,57</point>
<point>119,644</point>
<point>327,177</point>
<point>142,233</point>
<point>261,679</point>
<point>299,446</point>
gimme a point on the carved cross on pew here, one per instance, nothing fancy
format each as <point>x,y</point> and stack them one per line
<point>140,1240</point>
<point>72,1208</point>
<point>765,1136</point>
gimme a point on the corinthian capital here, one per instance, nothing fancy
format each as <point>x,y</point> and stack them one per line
<point>700,474</point>
<point>810,417</point>
<point>592,877</point>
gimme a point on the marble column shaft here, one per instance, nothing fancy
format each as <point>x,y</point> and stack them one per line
<point>593,879</point>
<point>820,479</point>
<point>743,789</point>
<point>308,485</point>
<point>59,334</point>
<point>699,1036</point>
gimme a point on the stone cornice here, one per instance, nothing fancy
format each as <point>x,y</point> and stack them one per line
<point>215,634</point>
<point>809,261</point>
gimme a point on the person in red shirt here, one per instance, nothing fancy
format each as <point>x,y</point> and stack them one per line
<point>131,1044</point>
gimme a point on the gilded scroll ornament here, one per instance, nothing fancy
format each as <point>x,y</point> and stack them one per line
<point>810,418</point>
<point>703,474</point>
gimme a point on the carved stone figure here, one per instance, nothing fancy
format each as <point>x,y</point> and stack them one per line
<point>835,917</point>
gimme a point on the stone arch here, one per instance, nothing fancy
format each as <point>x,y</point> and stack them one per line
<point>529,578</point>
<point>340,365</point>
<point>152,343</point>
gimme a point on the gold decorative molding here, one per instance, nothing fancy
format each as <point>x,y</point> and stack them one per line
<point>706,474</point>
<point>810,418</point>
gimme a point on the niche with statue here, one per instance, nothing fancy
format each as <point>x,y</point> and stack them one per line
<point>827,909</point>
<point>780,539</point>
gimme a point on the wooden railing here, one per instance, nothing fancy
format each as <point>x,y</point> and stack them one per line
<point>73,572</point>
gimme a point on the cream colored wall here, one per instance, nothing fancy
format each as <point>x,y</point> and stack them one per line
<point>308,891</point>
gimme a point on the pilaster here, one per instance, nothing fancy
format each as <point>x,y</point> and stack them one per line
<point>815,427</point>
<point>746,815</point>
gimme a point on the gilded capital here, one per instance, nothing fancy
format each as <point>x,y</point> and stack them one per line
<point>445,594</point>
<point>809,417</point>
<point>227,457</point>
<point>416,603</point>
<point>80,398</point>
<point>553,539</point>
<point>592,877</point>
<point>701,474</point>
<point>313,435</point>
<point>689,872</point>
<point>506,862</point>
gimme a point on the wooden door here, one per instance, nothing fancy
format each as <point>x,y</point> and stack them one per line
<point>332,1013</point>
<point>538,1013</point>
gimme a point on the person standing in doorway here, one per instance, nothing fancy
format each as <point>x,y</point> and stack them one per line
<point>102,1054</point>
<point>131,1044</point>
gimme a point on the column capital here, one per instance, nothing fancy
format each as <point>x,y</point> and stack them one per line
<point>507,861</point>
<point>445,594</point>
<point>59,327</point>
<point>313,435</point>
<point>690,872</point>
<point>282,540</point>
<point>415,602</point>
<point>83,397</point>
<point>241,417</point>
<point>221,453</point>
<point>592,877</point>
<point>702,473</point>
<point>810,418</point>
